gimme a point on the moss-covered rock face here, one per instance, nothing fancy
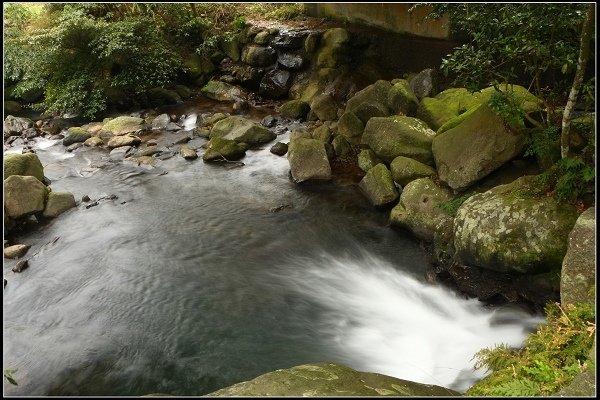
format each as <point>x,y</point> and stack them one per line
<point>241,130</point>
<point>371,101</point>
<point>378,186</point>
<point>367,159</point>
<point>405,170</point>
<point>505,231</point>
<point>478,146</point>
<point>390,137</point>
<point>436,111</point>
<point>161,96</point>
<point>23,164</point>
<point>401,99</point>
<point>58,202</point>
<point>341,146</point>
<point>308,160</point>
<point>123,125</point>
<point>578,273</point>
<point>219,149</point>
<point>295,109</point>
<point>23,195</point>
<point>322,133</point>
<point>222,91</point>
<point>328,379</point>
<point>350,127</point>
<point>75,135</point>
<point>418,209</point>
<point>231,47</point>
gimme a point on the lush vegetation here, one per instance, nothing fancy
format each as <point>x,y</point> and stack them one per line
<point>81,54</point>
<point>552,356</point>
<point>537,46</point>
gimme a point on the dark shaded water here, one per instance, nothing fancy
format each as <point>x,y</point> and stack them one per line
<point>189,282</point>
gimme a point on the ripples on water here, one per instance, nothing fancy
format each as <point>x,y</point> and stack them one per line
<point>188,282</point>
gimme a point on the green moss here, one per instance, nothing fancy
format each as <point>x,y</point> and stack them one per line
<point>551,358</point>
<point>23,164</point>
<point>455,121</point>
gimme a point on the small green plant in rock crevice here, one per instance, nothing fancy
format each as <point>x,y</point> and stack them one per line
<point>8,375</point>
<point>451,206</point>
<point>550,359</point>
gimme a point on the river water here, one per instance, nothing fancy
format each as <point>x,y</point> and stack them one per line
<point>206,276</point>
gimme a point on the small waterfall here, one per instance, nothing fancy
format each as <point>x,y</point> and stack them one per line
<point>383,320</point>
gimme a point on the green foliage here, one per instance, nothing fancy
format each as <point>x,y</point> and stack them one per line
<point>8,375</point>
<point>568,179</point>
<point>549,360</point>
<point>543,142</point>
<point>239,22</point>
<point>514,42</point>
<point>507,106</point>
<point>451,206</point>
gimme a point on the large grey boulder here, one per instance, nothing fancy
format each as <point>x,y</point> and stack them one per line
<point>27,164</point>
<point>58,202</point>
<point>241,130</point>
<point>405,170</point>
<point>578,273</point>
<point>418,210</point>
<point>476,147</point>
<point>328,379</point>
<point>390,137</point>
<point>504,230</point>
<point>23,195</point>
<point>378,186</point>
<point>308,160</point>
<point>14,126</point>
<point>423,84</point>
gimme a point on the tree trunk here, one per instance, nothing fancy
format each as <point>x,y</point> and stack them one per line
<point>584,54</point>
<point>194,11</point>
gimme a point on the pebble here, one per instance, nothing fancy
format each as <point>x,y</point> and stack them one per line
<point>21,265</point>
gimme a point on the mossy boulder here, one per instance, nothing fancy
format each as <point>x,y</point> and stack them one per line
<point>328,379</point>
<point>23,195</point>
<point>308,160</point>
<point>423,84</point>
<point>473,149</point>
<point>58,202</point>
<point>405,170</point>
<point>436,111</point>
<point>454,121</point>
<point>27,164</point>
<point>322,133</point>
<point>367,159</point>
<point>161,96</point>
<point>418,210</point>
<point>325,107</point>
<point>336,37</point>
<point>371,101</point>
<point>379,186</point>
<point>231,47</point>
<point>240,130</point>
<point>183,91</point>
<point>125,140</point>
<point>123,125</point>
<point>504,230</point>
<point>350,127</point>
<point>222,91</point>
<point>295,109</point>
<point>341,146</point>
<point>219,149</point>
<point>578,273</point>
<point>197,66</point>
<point>259,56</point>
<point>390,137</point>
<point>401,99</point>
<point>528,101</point>
<point>279,148</point>
<point>76,135</point>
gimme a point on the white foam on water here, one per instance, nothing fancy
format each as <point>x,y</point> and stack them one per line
<point>385,321</point>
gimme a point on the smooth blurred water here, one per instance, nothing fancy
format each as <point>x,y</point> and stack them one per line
<point>190,281</point>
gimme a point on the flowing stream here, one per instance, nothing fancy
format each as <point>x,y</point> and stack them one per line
<point>207,276</point>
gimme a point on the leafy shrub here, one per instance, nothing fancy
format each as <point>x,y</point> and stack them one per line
<point>506,105</point>
<point>550,359</point>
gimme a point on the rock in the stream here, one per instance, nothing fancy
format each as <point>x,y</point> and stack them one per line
<point>16,251</point>
<point>308,160</point>
<point>23,164</point>
<point>279,148</point>
<point>94,141</point>
<point>76,135</point>
<point>328,379</point>
<point>241,129</point>
<point>378,186</point>
<point>58,202</point>
<point>126,140</point>
<point>123,125</point>
<point>219,149</point>
<point>23,195</point>
<point>187,152</point>
<point>14,126</point>
<point>21,266</point>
